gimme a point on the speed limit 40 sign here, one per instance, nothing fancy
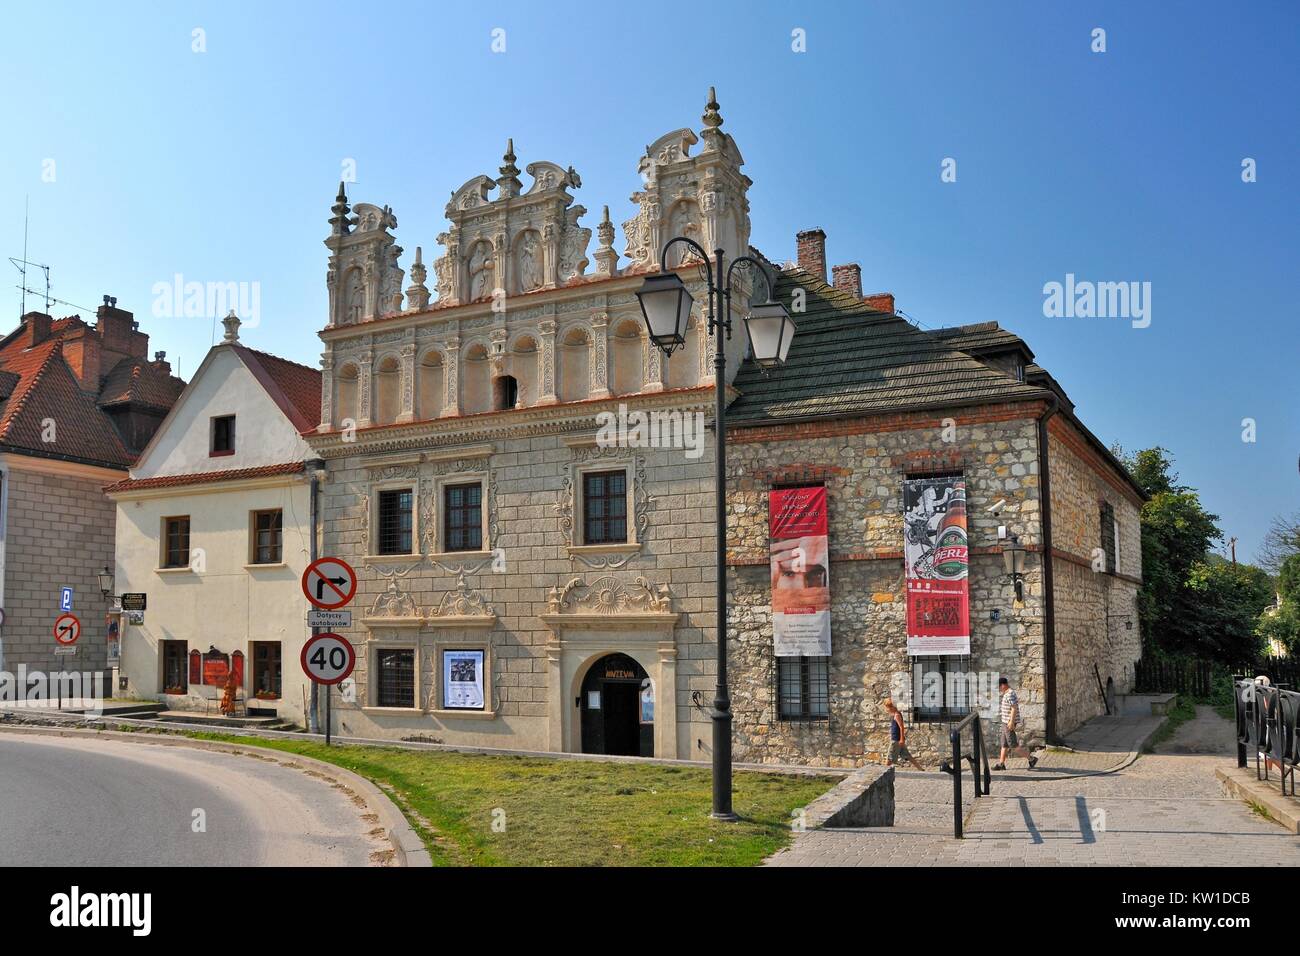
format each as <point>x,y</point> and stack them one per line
<point>328,658</point>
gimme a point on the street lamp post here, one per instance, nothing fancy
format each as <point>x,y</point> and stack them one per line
<point>666,306</point>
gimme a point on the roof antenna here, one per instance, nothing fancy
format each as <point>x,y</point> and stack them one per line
<point>22,264</point>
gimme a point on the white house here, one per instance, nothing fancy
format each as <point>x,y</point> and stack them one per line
<point>214,528</point>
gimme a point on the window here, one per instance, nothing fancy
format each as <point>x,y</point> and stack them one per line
<point>1108,537</point>
<point>267,536</point>
<point>223,435</point>
<point>463,511</point>
<point>175,677</point>
<point>507,392</point>
<point>266,669</point>
<point>803,687</point>
<point>176,542</point>
<point>395,517</point>
<point>941,689</point>
<point>396,684</point>
<point>604,507</point>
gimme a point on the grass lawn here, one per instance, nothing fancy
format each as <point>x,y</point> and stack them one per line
<point>569,812</point>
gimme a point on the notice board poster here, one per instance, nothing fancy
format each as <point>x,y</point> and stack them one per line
<point>800,566</point>
<point>462,680</point>
<point>936,560</point>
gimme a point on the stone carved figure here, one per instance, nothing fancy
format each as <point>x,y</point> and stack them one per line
<point>391,288</point>
<point>354,297</point>
<point>480,272</point>
<point>530,262</point>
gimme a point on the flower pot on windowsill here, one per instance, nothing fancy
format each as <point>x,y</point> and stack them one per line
<point>266,695</point>
<point>175,692</point>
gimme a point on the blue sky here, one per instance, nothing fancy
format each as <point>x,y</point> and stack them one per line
<point>1115,166</point>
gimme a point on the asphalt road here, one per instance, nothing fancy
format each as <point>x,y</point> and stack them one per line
<point>65,801</point>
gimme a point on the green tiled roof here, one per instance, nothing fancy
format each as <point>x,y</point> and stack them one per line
<point>847,359</point>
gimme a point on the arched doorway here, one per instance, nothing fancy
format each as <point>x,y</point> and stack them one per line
<point>617,707</point>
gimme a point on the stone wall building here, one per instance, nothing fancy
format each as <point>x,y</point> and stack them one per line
<point>525,581</point>
<point>77,403</point>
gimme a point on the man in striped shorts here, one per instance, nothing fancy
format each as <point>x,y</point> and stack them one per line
<point>1009,712</point>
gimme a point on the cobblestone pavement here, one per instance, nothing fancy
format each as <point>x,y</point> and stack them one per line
<point>1162,809</point>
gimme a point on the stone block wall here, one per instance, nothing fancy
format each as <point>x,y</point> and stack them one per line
<point>1093,607</point>
<point>531,501</point>
<point>863,464</point>
<point>58,532</point>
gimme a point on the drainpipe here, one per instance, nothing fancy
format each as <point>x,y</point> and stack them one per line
<point>1049,595</point>
<point>316,469</point>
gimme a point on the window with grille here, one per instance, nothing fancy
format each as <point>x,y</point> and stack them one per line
<point>803,688</point>
<point>223,435</point>
<point>395,521</point>
<point>266,668</point>
<point>604,507</point>
<point>463,517</point>
<point>267,536</point>
<point>396,684</point>
<point>176,542</point>
<point>1108,537</point>
<point>941,689</point>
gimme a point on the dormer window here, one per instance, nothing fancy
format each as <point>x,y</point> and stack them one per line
<point>223,435</point>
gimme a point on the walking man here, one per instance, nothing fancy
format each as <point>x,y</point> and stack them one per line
<point>1009,711</point>
<point>898,736</point>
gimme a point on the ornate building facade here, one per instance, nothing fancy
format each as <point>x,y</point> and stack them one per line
<point>523,582</point>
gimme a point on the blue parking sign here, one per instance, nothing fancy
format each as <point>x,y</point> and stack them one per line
<point>65,601</point>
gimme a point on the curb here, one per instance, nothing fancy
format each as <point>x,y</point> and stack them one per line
<point>409,850</point>
<point>1241,784</point>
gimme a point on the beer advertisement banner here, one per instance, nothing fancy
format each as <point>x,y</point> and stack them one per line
<point>801,592</point>
<point>935,558</point>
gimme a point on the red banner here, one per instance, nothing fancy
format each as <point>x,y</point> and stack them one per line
<point>936,559</point>
<point>800,565</point>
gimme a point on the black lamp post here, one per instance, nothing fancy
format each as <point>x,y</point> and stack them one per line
<point>666,305</point>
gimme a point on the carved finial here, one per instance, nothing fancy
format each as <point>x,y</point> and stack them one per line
<point>509,178</point>
<point>339,225</point>
<point>417,294</point>
<point>712,118</point>
<point>606,256</point>
<point>231,323</point>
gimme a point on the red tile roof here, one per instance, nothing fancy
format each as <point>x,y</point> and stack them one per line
<point>206,477</point>
<point>294,388</point>
<point>46,393</point>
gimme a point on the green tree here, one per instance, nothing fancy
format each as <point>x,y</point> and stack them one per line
<point>1282,623</point>
<point>1222,604</point>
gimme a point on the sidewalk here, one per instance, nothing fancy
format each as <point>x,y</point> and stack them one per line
<point>1099,804</point>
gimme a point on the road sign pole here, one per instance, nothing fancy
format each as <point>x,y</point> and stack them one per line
<point>329,718</point>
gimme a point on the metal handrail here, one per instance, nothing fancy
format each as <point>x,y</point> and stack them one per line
<point>1268,723</point>
<point>978,759</point>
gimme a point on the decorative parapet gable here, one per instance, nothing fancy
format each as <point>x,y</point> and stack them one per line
<point>515,243</point>
<point>462,607</point>
<point>364,278</point>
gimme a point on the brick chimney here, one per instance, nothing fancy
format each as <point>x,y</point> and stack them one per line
<point>160,362</point>
<point>811,247</point>
<point>848,278</point>
<point>37,325</point>
<point>117,331</point>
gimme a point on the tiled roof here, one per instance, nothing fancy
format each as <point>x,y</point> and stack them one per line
<point>138,381</point>
<point>294,388</point>
<point>847,358</point>
<point>981,337</point>
<point>206,477</point>
<point>47,392</point>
